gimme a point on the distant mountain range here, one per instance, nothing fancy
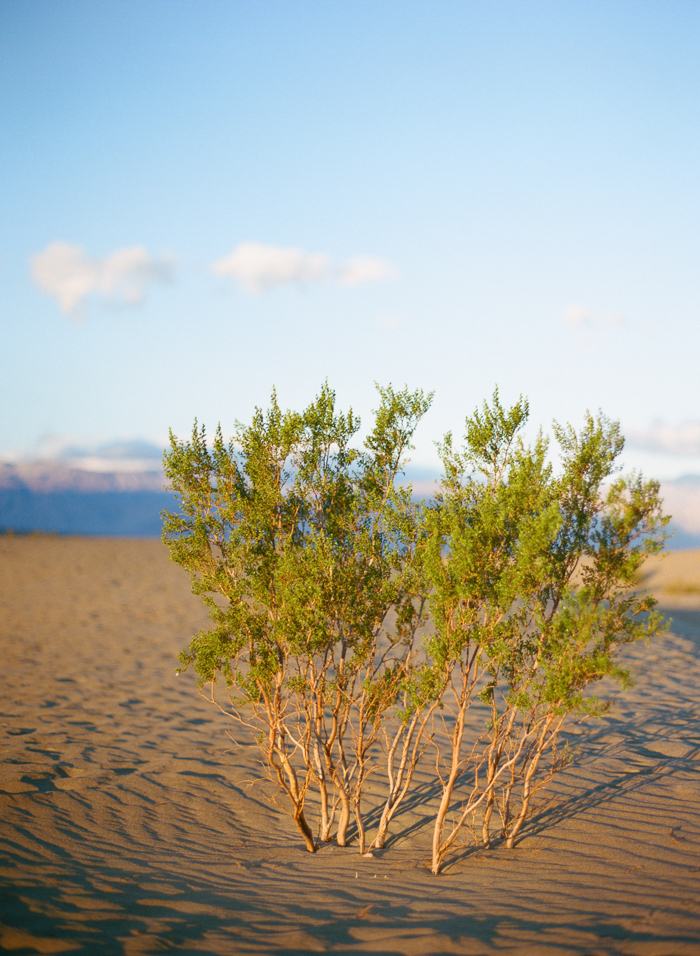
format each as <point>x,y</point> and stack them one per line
<point>124,495</point>
<point>57,498</point>
<point>49,477</point>
<point>682,502</point>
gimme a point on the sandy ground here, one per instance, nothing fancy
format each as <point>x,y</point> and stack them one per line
<point>131,825</point>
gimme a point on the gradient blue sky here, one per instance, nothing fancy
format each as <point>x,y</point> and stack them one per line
<point>526,174</point>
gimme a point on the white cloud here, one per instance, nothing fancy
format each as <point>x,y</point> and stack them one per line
<point>683,439</point>
<point>362,269</point>
<point>579,316</point>
<point>259,267</point>
<point>64,272</point>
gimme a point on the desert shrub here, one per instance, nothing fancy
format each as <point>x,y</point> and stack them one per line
<point>301,546</point>
<point>531,572</point>
<point>318,570</point>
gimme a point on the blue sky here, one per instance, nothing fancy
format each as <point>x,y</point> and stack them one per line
<point>202,201</point>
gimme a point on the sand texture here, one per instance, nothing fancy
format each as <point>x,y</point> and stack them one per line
<point>132,824</point>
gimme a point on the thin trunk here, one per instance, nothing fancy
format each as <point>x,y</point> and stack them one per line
<point>344,820</point>
<point>520,819</point>
<point>495,754</point>
<point>468,680</point>
<point>492,767</point>
<point>527,786</point>
<point>360,826</point>
<point>505,807</point>
<point>400,783</point>
<point>337,771</point>
<point>339,774</point>
<point>339,718</point>
<point>296,794</point>
<point>326,820</point>
<point>447,791</point>
<point>305,830</point>
<point>382,833</point>
<point>326,815</point>
<point>486,822</point>
<point>474,802</point>
<point>361,745</point>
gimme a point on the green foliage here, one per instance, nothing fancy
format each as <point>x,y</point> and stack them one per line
<point>300,545</point>
<point>530,573</point>
<point>318,568</point>
<point>533,567</point>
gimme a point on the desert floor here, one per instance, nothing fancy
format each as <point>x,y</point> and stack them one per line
<point>132,824</point>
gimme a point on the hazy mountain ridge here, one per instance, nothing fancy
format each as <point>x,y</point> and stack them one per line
<point>82,495</point>
<point>62,464</point>
<point>49,476</point>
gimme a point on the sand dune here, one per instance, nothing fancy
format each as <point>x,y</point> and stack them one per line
<point>132,824</point>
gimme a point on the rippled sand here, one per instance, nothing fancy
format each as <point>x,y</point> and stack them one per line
<point>132,823</point>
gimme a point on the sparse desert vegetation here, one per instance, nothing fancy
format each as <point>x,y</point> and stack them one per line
<point>356,630</point>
